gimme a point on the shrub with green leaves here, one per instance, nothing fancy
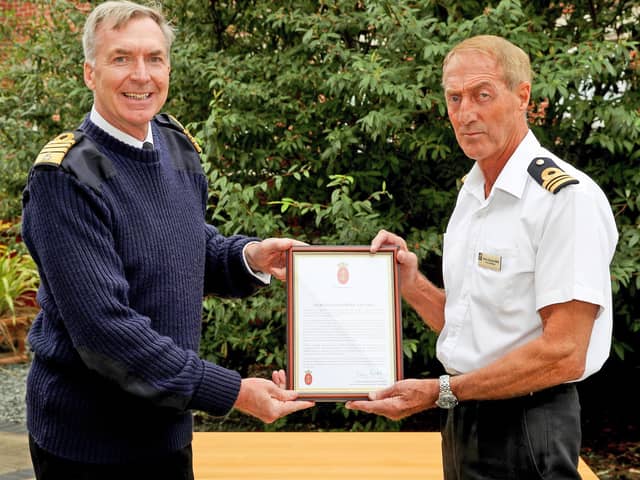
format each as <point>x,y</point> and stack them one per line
<point>336,110</point>
<point>18,275</point>
<point>42,89</point>
<point>325,121</point>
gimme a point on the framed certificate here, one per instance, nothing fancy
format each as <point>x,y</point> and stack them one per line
<point>344,329</point>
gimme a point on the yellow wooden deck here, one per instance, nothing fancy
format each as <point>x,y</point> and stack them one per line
<point>321,456</point>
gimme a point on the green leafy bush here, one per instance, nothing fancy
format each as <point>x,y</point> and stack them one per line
<point>18,275</point>
<point>42,90</point>
<point>325,121</point>
<point>347,95</point>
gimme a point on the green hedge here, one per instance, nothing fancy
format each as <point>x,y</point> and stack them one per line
<point>325,121</point>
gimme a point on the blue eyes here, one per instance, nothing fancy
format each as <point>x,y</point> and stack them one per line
<point>480,96</point>
<point>127,60</point>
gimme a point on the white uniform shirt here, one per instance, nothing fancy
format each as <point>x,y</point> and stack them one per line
<point>521,249</point>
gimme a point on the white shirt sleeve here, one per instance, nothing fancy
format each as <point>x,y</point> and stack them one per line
<point>575,250</point>
<point>263,277</point>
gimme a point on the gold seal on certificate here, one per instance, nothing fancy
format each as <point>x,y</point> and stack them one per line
<point>344,330</point>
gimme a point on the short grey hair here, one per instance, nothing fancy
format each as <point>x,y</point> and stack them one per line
<point>515,64</point>
<point>119,13</point>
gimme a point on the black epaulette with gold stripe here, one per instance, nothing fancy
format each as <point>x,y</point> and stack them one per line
<point>170,120</point>
<point>74,153</point>
<point>54,152</point>
<point>549,175</point>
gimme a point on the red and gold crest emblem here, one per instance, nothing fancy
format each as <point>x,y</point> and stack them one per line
<point>308,378</point>
<point>343,273</point>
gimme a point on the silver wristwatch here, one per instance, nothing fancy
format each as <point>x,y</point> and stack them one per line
<point>446,399</point>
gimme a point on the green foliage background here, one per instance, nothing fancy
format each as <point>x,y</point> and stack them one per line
<point>325,121</point>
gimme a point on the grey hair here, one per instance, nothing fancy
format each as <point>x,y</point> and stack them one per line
<point>515,64</point>
<point>119,13</point>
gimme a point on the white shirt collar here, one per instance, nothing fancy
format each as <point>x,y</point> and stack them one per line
<point>99,120</point>
<point>513,177</point>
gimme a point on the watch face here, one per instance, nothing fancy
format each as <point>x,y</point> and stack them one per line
<point>447,401</point>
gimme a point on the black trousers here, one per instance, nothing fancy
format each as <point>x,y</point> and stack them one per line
<point>173,466</point>
<point>537,436</point>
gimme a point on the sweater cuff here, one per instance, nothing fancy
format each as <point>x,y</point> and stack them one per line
<point>218,390</point>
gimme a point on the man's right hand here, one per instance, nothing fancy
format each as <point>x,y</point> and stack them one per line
<point>265,400</point>
<point>400,400</point>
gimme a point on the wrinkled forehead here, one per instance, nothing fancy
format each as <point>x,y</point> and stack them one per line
<point>119,24</point>
<point>470,66</point>
<point>139,32</point>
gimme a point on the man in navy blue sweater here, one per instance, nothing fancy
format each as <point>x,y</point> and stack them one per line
<point>114,216</point>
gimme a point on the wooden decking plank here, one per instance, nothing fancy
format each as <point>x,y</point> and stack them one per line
<point>321,456</point>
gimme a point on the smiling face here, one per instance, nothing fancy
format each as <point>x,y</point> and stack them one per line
<point>487,117</point>
<point>130,75</point>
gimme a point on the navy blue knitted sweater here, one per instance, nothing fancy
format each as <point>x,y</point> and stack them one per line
<point>125,256</point>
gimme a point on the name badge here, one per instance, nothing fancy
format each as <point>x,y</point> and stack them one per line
<point>492,262</point>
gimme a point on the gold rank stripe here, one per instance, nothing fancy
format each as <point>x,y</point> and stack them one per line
<point>53,152</point>
<point>191,138</point>
<point>553,185</point>
<point>193,141</point>
<point>554,178</point>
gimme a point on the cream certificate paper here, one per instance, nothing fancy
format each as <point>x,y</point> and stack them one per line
<point>345,323</point>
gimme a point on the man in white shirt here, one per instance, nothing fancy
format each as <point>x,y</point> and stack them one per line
<point>526,309</point>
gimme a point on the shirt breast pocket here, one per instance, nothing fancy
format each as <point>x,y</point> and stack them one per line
<point>455,262</point>
<point>503,276</point>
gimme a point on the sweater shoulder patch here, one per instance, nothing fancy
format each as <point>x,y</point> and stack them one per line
<point>74,153</point>
<point>170,121</point>
<point>549,175</point>
<point>54,152</point>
